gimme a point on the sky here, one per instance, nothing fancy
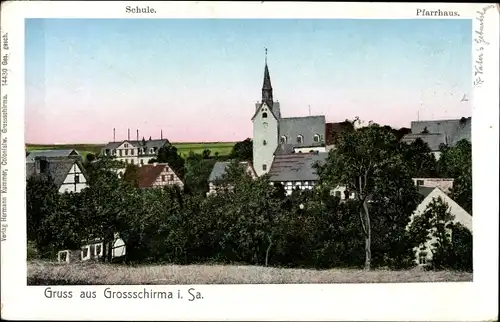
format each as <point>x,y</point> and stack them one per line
<point>198,80</point>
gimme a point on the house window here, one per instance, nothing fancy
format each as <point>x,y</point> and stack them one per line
<point>171,177</point>
<point>316,138</point>
<point>142,162</point>
<point>337,194</point>
<point>132,161</point>
<point>264,115</point>
<point>126,152</point>
<point>422,258</point>
<point>131,151</point>
<point>154,149</point>
<point>114,151</point>
<point>162,177</point>
<point>125,145</point>
<point>77,178</point>
<point>121,152</point>
<point>151,151</point>
<point>300,139</point>
<point>420,183</point>
<point>107,152</point>
<point>264,167</point>
<point>264,142</point>
<point>98,249</point>
<point>283,139</point>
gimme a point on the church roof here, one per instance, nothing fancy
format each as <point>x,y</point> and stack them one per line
<point>296,166</point>
<point>306,126</point>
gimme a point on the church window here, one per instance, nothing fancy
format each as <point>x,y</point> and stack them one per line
<point>264,115</point>
<point>316,138</point>
<point>300,139</point>
<point>283,139</point>
<point>264,142</point>
<point>264,167</point>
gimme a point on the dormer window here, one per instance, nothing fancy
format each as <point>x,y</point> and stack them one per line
<point>264,115</point>
<point>316,138</point>
<point>283,139</point>
<point>300,139</point>
<point>125,145</point>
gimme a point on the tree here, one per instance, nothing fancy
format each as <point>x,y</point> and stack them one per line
<point>359,162</point>
<point>90,157</point>
<point>197,171</point>
<point>452,242</point>
<point>131,175</point>
<point>418,157</point>
<point>242,151</point>
<point>206,154</point>
<point>456,162</point>
<point>168,154</point>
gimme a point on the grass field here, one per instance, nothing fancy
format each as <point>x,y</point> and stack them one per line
<point>223,148</point>
<point>46,273</point>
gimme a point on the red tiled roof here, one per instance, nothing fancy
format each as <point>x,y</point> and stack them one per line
<point>148,174</point>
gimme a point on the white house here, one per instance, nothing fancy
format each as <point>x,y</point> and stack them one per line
<point>95,249</point>
<point>67,174</point>
<point>136,152</point>
<point>423,253</point>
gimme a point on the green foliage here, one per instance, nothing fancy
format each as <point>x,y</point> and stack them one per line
<point>456,162</point>
<point>451,245</point>
<point>419,160</point>
<point>250,221</point>
<point>242,151</point>
<point>131,175</point>
<point>168,154</point>
<point>197,171</point>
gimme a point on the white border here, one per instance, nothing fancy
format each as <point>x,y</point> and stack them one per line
<point>439,301</point>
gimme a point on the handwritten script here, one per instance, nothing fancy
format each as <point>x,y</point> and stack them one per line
<point>482,43</point>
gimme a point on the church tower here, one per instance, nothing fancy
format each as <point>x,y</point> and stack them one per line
<point>265,127</point>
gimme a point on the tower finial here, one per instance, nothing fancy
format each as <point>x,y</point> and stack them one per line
<point>266,54</point>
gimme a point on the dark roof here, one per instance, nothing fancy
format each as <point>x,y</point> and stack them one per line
<point>51,154</point>
<point>149,173</point>
<point>219,169</point>
<point>333,130</point>
<point>425,191</point>
<point>307,126</point>
<point>455,130</point>
<point>434,140</point>
<point>296,166</point>
<point>56,169</point>
<point>149,143</point>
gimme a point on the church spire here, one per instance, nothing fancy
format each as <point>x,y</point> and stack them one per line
<point>267,89</point>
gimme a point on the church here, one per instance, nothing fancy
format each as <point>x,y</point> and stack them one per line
<point>286,148</point>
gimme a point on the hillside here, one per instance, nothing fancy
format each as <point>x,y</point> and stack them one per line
<point>223,148</point>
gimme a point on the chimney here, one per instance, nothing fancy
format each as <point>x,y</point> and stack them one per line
<point>128,137</point>
<point>137,134</point>
<point>114,137</point>
<point>161,134</point>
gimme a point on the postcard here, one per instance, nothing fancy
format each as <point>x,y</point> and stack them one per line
<point>249,161</point>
